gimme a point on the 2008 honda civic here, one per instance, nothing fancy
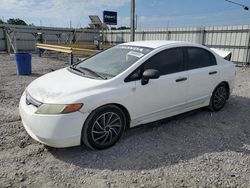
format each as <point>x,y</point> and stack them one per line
<point>94,101</point>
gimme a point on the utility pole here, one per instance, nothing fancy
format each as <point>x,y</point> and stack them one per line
<point>132,21</point>
<point>244,6</point>
<point>136,20</point>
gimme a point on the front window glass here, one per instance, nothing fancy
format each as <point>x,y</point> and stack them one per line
<point>113,61</point>
<point>167,61</point>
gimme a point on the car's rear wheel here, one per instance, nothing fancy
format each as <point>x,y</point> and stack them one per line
<point>104,127</point>
<point>219,97</point>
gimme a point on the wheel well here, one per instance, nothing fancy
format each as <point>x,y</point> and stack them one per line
<point>125,111</point>
<point>228,88</point>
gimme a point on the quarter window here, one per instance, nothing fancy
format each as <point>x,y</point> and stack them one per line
<point>199,58</point>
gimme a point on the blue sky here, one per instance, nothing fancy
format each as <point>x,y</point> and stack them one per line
<point>150,13</point>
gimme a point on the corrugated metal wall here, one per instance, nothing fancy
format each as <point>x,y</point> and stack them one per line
<point>232,38</point>
<point>2,40</point>
<point>25,37</point>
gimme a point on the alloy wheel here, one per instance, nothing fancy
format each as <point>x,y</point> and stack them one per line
<point>106,128</point>
<point>220,97</point>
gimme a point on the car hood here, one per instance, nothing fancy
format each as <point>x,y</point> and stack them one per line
<point>61,84</point>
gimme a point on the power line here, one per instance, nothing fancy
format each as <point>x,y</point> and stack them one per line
<point>244,6</point>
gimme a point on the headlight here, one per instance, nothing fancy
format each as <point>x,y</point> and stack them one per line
<point>58,108</point>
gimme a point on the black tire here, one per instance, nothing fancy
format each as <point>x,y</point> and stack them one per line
<point>219,97</point>
<point>104,127</point>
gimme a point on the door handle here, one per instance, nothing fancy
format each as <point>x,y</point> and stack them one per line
<point>181,79</point>
<point>213,72</point>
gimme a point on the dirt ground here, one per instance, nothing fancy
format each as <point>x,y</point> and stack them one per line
<point>196,149</point>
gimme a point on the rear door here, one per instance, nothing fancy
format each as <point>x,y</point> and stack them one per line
<point>203,75</point>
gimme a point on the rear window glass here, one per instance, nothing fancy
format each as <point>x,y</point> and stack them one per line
<point>199,58</point>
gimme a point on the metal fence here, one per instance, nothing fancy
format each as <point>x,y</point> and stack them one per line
<point>24,38</point>
<point>230,38</point>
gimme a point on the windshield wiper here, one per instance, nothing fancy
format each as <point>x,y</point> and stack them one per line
<point>93,73</point>
<point>75,69</point>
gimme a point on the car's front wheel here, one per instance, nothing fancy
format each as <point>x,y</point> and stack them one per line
<point>104,127</point>
<point>219,97</point>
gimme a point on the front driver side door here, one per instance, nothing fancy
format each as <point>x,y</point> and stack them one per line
<point>166,95</point>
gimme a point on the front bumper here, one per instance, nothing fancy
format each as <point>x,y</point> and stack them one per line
<point>62,130</point>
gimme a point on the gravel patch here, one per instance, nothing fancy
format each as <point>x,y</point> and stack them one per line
<point>195,149</point>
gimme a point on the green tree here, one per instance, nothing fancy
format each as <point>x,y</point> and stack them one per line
<point>16,21</point>
<point>1,22</point>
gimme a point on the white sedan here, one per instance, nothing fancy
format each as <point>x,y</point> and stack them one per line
<point>93,102</point>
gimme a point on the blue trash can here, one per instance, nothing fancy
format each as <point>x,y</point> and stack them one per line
<point>23,63</point>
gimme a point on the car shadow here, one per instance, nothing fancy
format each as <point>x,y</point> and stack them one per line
<point>171,141</point>
<point>36,75</point>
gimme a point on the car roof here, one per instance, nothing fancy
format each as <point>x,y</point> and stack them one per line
<point>157,43</point>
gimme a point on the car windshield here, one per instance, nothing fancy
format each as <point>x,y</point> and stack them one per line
<point>113,61</point>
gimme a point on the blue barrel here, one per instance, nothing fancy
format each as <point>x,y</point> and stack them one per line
<point>23,63</point>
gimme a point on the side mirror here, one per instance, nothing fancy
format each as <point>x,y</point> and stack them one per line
<point>149,74</point>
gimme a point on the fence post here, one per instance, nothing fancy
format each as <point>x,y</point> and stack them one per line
<point>202,36</point>
<point>10,41</point>
<point>248,50</point>
<point>122,38</point>
<point>143,35</point>
<point>7,44</point>
<point>111,37</point>
<point>169,35</point>
<point>71,59</point>
<point>15,40</point>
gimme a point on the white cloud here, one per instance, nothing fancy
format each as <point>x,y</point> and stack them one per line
<point>56,12</point>
<point>61,12</point>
